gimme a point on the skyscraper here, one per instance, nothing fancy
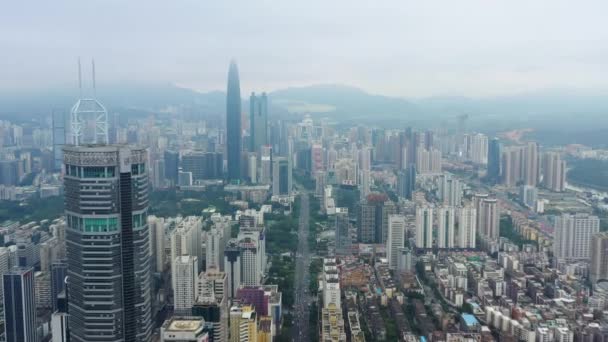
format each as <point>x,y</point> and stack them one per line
<point>258,121</point>
<point>281,176</point>
<point>234,143</point>
<point>494,160</point>
<point>467,227</point>
<point>232,266</point>
<point>342,229</point>
<point>19,305</point>
<point>395,240</point>
<point>106,204</point>
<point>406,182</point>
<point>531,161</point>
<point>450,190</point>
<point>171,166</point>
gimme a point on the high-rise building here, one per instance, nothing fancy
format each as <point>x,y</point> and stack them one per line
<point>243,323</point>
<point>253,256</point>
<point>476,148</point>
<point>212,302</point>
<point>234,143</point>
<point>554,172</point>
<point>203,165</point>
<point>59,135</point>
<point>59,327</point>
<point>424,227</point>
<point>366,222</point>
<point>528,195</point>
<point>513,165</point>
<point>342,229</point>
<point>531,161</point>
<point>598,269</point>
<point>450,190</point>
<point>19,305</point>
<point>573,236</point>
<point>171,166</point>
<point>106,204</point>
<point>180,329</point>
<point>157,242</point>
<point>281,177</point>
<point>186,239</point>
<point>467,227</point>
<point>258,121</point>
<point>493,173</point>
<point>158,174</point>
<point>488,217</point>
<point>395,240</point>
<point>186,283</point>
<point>406,182</point>
<point>265,176</point>
<point>232,266</point>
<point>445,225</point>
<point>214,248</point>
<point>59,271</point>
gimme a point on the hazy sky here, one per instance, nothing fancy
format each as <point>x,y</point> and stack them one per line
<point>403,48</point>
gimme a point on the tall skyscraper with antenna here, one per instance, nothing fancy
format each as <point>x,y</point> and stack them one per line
<point>234,143</point>
<point>88,117</point>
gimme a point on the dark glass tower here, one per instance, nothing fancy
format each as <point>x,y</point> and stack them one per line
<point>494,160</point>
<point>108,246</point>
<point>19,305</point>
<point>234,143</point>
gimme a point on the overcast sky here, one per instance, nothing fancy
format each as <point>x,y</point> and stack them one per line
<point>404,48</point>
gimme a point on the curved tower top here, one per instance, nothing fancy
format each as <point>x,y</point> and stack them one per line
<point>233,123</point>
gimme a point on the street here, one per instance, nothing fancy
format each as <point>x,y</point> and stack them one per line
<point>302,277</point>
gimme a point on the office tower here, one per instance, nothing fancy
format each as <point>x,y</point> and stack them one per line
<point>253,256</point>
<point>184,328</point>
<point>554,172</point>
<point>186,283</point>
<point>467,227</point>
<point>106,203</point>
<point>171,166</point>
<point>158,174</point>
<point>342,229</point>
<point>366,222</point>
<point>395,240</point>
<point>445,225</point>
<point>258,121</point>
<point>49,252</point>
<point>243,323</point>
<point>214,248</point>
<point>531,167</point>
<point>265,165</point>
<point>59,272</point>
<point>232,266</point>
<point>281,177</point>
<point>234,143</point>
<point>573,236</point>
<point>19,305</point>
<point>203,165</point>
<point>406,182</point>
<point>157,242</point>
<point>59,135</point>
<point>528,195</point>
<point>493,173</point>
<point>424,227</point>
<point>364,183</point>
<point>598,270</point>
<point>450,190</point>
<point>488,217</point>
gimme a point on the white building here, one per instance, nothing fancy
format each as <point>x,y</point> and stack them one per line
<point>183,329</point>
<point>186,284</point>
<point>573,235</point>
<point>450,190</point>
<point>467,227</point>
<point>395,239</point>
<point>157,241</point>
<point>186,240</point>
<point>445,223</point>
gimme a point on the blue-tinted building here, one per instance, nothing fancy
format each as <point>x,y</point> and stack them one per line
<point>19,305</point>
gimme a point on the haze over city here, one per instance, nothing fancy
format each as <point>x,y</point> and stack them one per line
<point>411,49</point>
